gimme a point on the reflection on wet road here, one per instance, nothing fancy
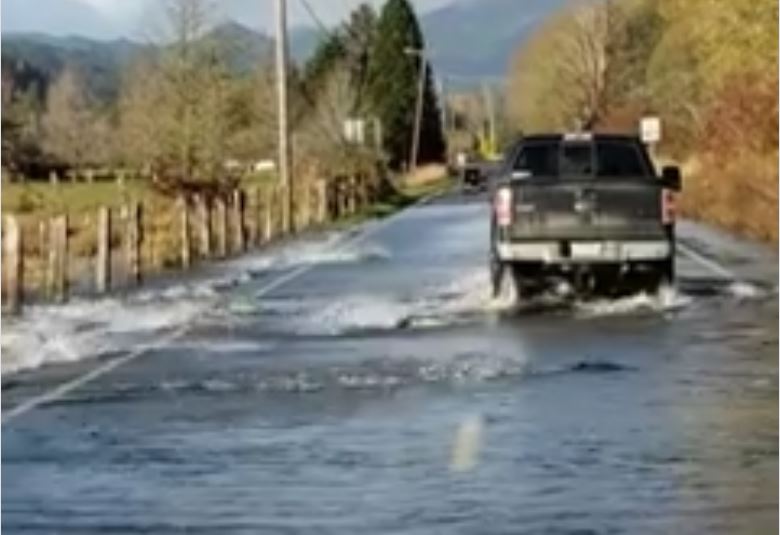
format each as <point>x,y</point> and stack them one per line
<point>382,391</point>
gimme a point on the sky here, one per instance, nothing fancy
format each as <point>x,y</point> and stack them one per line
<point>135,19</point>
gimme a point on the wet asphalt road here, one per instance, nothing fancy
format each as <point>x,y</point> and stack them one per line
<point>381,391</point>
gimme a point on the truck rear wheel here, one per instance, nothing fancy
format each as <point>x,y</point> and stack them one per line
<point>497,273</point>
<point>661,274</point>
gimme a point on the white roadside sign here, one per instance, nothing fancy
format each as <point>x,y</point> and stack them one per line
<point>650,129</point>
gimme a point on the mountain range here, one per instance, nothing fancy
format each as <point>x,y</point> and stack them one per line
<point>468,41</point>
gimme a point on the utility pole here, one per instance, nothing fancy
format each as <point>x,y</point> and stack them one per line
<point>491,113</point>
<point>284,127</point>
<point>418,108</point>
<point>445,112</point>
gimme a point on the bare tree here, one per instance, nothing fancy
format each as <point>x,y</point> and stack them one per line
<point>583,62</point>
<point>68,119</point>
<point>321,135</point>
<point>565,75</point>
<point>175,106</point>
<point>141,112</point>
<point>184,82</point>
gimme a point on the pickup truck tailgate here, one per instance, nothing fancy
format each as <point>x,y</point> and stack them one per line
<point>586,209</point>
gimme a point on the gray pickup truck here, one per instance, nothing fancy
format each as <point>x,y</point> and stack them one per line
<point>586,210</point>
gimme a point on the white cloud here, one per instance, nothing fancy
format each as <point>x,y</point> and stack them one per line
<point>117,9</point>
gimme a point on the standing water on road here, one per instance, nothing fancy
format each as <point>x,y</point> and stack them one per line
<point>382,391</point>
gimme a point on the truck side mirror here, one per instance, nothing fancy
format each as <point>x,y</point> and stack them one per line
<point>671,178</point>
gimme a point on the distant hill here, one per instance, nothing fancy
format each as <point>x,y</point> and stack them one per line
<point>102,62</point>
<point>473,39</point>
<point>469,40</point>
<point>244,48</point>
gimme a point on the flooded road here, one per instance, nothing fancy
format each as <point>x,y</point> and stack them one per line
<point>378,389</point>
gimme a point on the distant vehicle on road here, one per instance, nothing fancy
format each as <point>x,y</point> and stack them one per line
<point>475,174</point>
<point>586,210</point>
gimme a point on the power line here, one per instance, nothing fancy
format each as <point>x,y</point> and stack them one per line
<point>317,20</point>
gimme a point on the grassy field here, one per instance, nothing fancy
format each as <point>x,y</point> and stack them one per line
<point>407,189</point>
<point>42,199</point>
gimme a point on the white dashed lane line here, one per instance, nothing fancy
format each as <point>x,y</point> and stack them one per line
<point>707,263</point>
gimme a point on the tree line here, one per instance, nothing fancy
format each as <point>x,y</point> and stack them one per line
<point>707,68</point>
<point>183,112</point>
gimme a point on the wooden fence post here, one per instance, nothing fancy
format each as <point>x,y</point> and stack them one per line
<point>269,206</point>
<point>364,201</point>
<point>334,196</point>
<point>280,209</point>
<point>14,267</point>
<point>262,215</point>
<point>59,262</point>
<point>43,238</point>
<point>184,221</point>
<point>51,263</point>
<point>43,247</point>
<point>354,186</point>
<point>221,227</point>
<point>204,225</point>
<point>322,201</point>
<point>306,204</point>
<point>260,210</point>
<point>333,199</point>
<point>251,208</point>
<point>286,223</point>
<point>239,231</point>
<point>353,194</point>
<point>133,240</point>
<point>103,260</point>
<point>342,197</point>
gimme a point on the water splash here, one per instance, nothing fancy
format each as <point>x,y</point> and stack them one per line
<point>743,290</point>
<point>667,299</point>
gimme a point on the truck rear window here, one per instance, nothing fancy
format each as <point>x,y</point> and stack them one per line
<point>602,158</point>
<point>538,159</point>
<point>619,159</point>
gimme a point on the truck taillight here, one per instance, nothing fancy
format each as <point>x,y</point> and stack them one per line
<point>668,207</point>
<point>503,207</point>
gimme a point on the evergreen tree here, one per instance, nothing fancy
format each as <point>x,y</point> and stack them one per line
<point>330,52</point>
<point>348,48</point>
<point>394,81</point>
<point>360,36</point>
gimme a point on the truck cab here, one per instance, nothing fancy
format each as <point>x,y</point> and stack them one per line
<point>586,209</point>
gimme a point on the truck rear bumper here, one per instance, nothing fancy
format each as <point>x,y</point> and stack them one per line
<point>585,252</point>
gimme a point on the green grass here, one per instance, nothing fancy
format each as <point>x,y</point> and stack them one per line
<point>43,199</point>
<point>426,189</point>
<point>404,195</point>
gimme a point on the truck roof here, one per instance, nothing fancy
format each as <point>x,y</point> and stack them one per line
<point>583,136</point>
